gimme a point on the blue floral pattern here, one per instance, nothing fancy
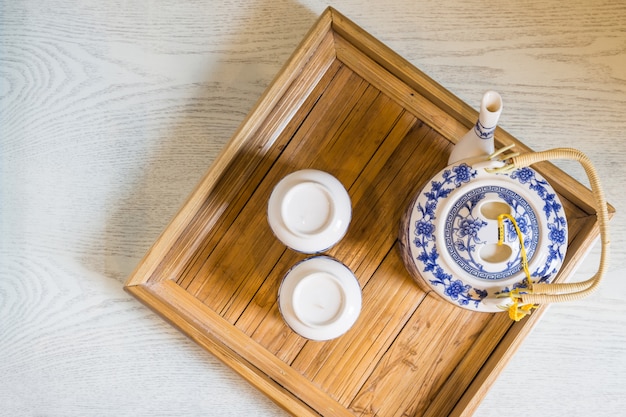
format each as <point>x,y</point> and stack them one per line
<point>557,224</point>
<point>483,131</point>
<point>424,236</point>
<point>463,225</point>
<point>466,235</point>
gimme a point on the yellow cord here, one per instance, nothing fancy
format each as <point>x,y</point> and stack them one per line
<point>516,310</point>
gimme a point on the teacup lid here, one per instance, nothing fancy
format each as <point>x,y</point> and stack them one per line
<point>309,210</point>
<point>320,298</point>
<point>453,233</point>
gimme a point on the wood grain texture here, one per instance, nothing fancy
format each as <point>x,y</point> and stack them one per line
<point>110,114</point>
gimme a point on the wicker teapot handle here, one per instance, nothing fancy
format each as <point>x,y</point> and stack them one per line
<point>551,293</point>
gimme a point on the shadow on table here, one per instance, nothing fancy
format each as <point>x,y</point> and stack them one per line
<point>262,41</point>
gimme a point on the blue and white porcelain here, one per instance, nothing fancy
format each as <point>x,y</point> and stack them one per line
<point>452,230</point>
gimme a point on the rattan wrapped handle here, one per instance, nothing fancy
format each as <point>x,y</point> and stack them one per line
<point>551,293</point>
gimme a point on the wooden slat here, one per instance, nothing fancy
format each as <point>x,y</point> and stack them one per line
<point>425,352</point>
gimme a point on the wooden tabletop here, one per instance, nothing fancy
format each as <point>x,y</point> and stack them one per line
<point>110,113</point>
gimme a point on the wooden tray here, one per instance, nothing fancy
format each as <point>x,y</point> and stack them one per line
<point>346,104</point>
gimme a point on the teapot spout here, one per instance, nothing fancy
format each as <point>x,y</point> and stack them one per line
<point>478,141</point>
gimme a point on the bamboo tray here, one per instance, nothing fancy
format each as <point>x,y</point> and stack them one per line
<point>346,104</point>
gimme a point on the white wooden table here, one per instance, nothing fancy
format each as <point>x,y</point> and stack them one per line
<point>110,112</point>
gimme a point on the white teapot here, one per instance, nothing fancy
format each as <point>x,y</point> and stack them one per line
<point>488,233</point>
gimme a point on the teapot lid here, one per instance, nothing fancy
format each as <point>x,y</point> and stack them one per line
<point>453,233</point>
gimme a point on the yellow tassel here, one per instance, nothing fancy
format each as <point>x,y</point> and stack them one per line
<point>517,309</point>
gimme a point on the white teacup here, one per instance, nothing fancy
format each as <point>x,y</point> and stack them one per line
<point>309,211</point>
<point>320,298</point>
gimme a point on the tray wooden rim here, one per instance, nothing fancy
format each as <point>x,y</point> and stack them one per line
<point>152,281</point>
